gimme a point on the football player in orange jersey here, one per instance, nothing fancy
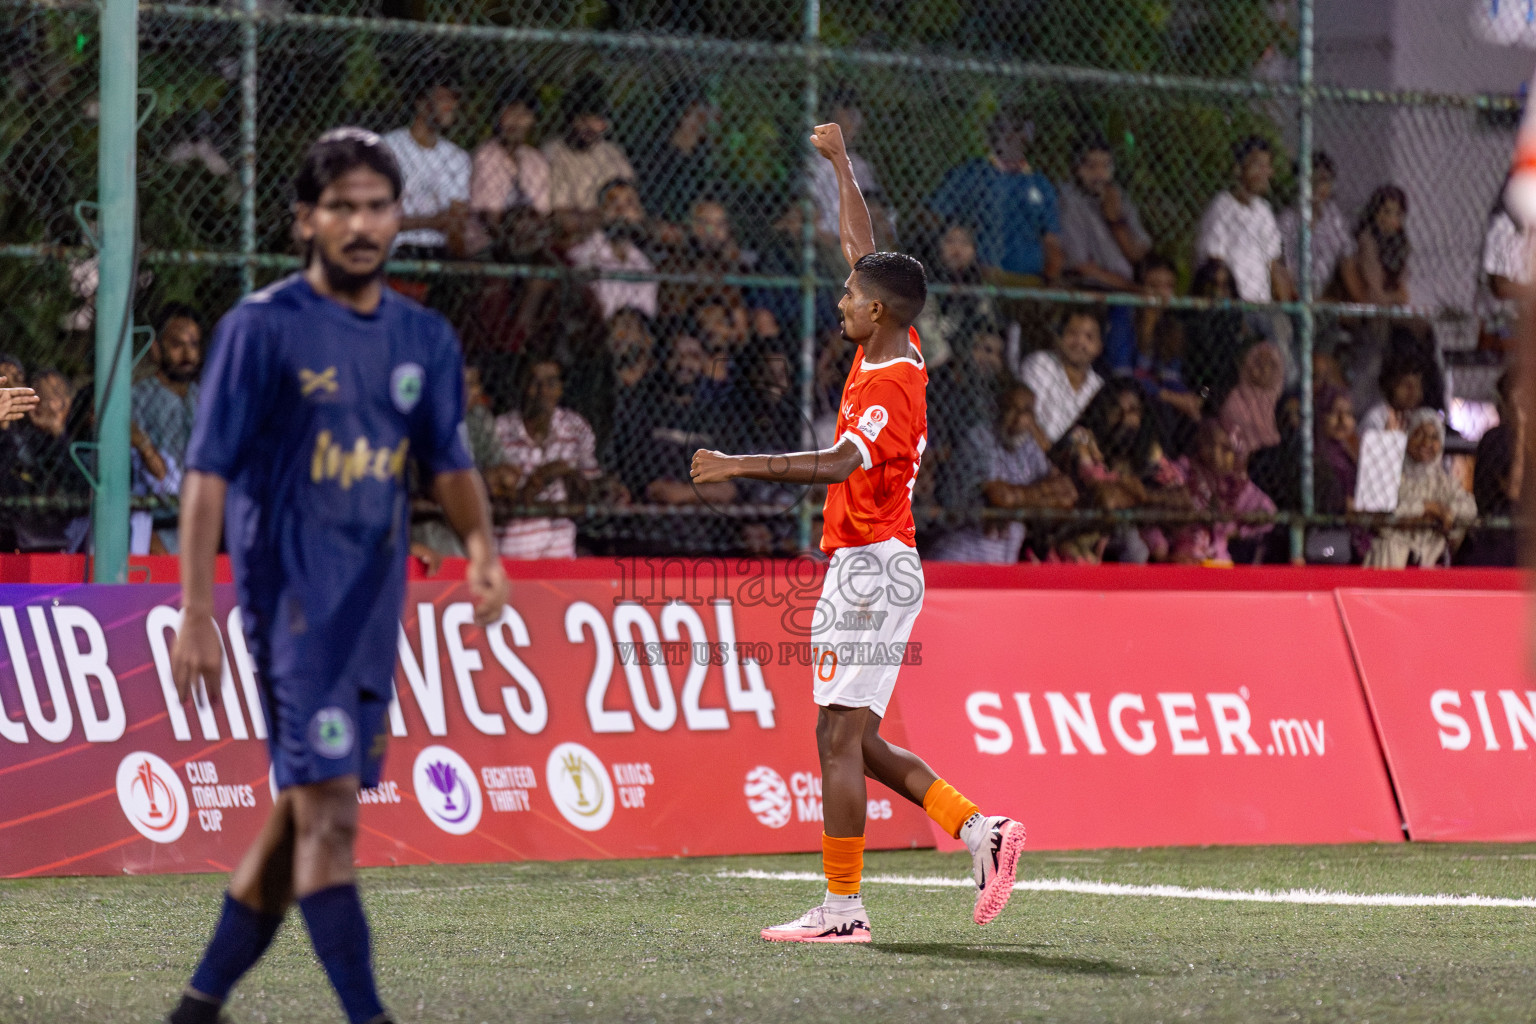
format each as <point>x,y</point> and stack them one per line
<point>874,584</point>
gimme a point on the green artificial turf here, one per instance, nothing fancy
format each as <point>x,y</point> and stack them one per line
<point>672,940</point>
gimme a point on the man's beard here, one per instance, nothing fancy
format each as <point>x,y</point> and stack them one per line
<point>345,282</point>
<point>579,142</point>
<point>179,374</point>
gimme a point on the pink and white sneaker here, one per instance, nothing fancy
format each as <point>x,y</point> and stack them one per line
<point>823,924</point>
<point>995,864</point>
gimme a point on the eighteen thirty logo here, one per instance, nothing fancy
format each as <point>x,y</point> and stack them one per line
<point>447,790</point>
<point>768,797</point>
<point>153,798</point>
<point>579,784</point>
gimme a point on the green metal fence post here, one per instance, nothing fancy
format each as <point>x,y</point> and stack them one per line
<point>248,149</point>
<point>1304,272</point>
<point>116,184</point>
<point>808,255</point>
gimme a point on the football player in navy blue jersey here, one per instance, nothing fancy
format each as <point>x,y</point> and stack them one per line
<point>319,391</point>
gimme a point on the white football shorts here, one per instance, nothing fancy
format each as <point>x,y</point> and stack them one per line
<point>869,601</point>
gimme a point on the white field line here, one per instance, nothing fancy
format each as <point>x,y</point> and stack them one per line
<point>1316,897</point>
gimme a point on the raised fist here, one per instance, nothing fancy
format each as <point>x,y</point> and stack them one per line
<point>828,140</point>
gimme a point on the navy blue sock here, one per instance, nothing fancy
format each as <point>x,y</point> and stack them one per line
<point>339,932</point>
<point>239,939</point>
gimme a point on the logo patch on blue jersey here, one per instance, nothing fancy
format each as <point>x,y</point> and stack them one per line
<point>331,733</point>
<point>405,386</point>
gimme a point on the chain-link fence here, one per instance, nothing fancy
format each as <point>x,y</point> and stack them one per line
<point>615,204</point>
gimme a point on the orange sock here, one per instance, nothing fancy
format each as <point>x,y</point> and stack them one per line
<point>946,806</point>
<point>842,858</point>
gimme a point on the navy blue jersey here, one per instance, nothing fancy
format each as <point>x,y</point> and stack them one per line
<point>312,413</point>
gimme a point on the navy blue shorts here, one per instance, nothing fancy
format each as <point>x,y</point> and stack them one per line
<point>316,733</point>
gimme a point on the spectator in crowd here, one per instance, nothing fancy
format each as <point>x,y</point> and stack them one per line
<point>842,109</point>
<point>1332,241</point>
<point>946,316</point>
<point>1062,377</point>
<point>555,455</point>
<point>1428,497</point>
<point>41,466</point>
<point>1213,338</point>
<point>768,421</point>
<point>582,161</point>
<point>1239,228</point>
<point>1380,262</point>
<point>509,178</point>
<point>1217,483</point>
<point>1506,275</point>
<point>1126,436</point>
<point>1402,384</point>
<point>680,163</point>
<point>11,369</point>
<point>1101,234</point>
<point>1004,466</point>
<point>724,326</point>
<point>434,202</point>
<point>1336,451</point>
<point>164,404</point>
<point>1248,410</point>
<point>617,245</point>
<point>1498,475</point>
<point>1162,358</point>
<point>708,248</point>
<point>965,391</point>
<point>1014,207</point>
<point>655,442</point>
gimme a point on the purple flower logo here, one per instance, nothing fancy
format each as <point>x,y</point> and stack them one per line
<point>445,777</point>
<point>447,790</point>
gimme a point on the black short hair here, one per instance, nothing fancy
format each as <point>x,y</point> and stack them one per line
<point>589,95</point>
<point>175,311</point>
<point>338,151</point>
<point>1321,161</point>
<point>1085,144</point>
<point>1249,146</point>
<point>897,279</point>
<point>1154,261</point>
<point>1092,311</point>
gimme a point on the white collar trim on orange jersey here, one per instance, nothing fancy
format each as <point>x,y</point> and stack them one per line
<point>865,364</point>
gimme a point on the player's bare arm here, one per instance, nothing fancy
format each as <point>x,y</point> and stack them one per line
<point>828,466</point>
<point>198,652</point>
<point>462,495</point>
<point>853,224</point>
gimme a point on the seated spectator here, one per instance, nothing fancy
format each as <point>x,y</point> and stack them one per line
<point>1336,458</point>
<point>1505,277</point>
<point>582,162</point>
<point>680,163</point>
<point>768,422</point>
<point>509,178</point>
<point>946,316</point>
<point>1429,497</point>
<point>1402,384</point>
<point>708,248</point>
<point>659,437</point>
<point>555,455</point>
<point>1332,241</point>
<point>163,406</point>
<point>724,327</point>
<point>1162,359</point>
<point>1062,377</point>
<point>1004,466</point>
<point>1102,238</point>
<point>1380,263</point>
<point>1126,436</point>
<point>1014,207</point>
<point>41,467</point>
<point>1217,483</point>
<point>1213,338</point>
<point>434,203</point>
<point>1498,476</point>
<point>1248,411</point>
<point>617,246</point>
<point>1239,228</point>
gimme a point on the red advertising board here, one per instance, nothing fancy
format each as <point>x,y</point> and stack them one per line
<point>1454,706</point>
<point>1131,719</point>
<point>599,718</point>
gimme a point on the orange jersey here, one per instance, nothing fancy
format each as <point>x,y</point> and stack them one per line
<point>885,413</point>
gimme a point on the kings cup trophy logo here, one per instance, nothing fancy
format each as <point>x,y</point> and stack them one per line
<point>580,786</point>
<point>447,790</point>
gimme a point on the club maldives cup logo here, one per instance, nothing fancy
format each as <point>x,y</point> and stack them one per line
<point>447,790</point>
<point>579,784</point>
<point>152,797</point>
<point>768,797</point>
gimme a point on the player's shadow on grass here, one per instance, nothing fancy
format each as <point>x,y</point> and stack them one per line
<point>1003,954</point>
